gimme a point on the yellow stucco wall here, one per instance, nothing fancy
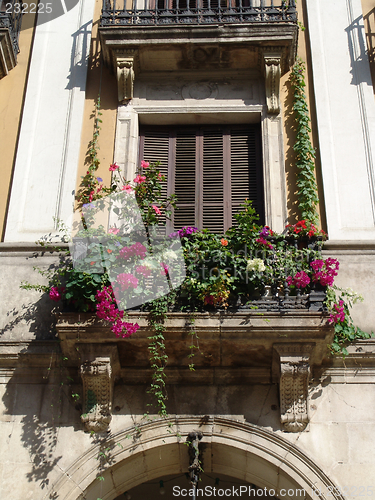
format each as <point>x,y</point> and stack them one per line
<point>99,81</point>
<point>288,123</point>
<point>12,90</point>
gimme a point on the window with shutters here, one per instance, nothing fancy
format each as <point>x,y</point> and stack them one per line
<point>212,170</point>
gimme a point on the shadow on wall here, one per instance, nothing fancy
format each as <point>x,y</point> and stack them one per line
<point>79,58</point>
<point>35,397</point>
<point>36,408</point>
<point>28,319</point>
<point>369,20</point>
<point>44,419</point>
<point>38,317</point>
<point>358,51</point>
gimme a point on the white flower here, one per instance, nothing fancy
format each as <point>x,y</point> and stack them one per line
<point>255,265</point>
<point>170,255</point>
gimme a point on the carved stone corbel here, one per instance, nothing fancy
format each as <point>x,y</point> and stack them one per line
<point>98,367</point>
<point>272,66</point>
<point>294,374</point>
<point>125,65</point>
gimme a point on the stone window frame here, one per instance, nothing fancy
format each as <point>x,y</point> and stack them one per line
<point>129,118</point>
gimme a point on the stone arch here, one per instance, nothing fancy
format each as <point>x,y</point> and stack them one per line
<point>154,449</point>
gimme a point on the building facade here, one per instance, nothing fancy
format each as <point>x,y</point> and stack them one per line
<point>204,88</point>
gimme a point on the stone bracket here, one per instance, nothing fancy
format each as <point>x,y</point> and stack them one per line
<point>99,366</point>
<point>125,67</point>
<point>293,374</point>
<point>272,67</point>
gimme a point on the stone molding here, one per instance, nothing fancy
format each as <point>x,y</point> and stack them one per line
<point>216,40</point>
<point>272,67</point>
<point>283,463</point>
<point>241,338</point>
<point>294,374</point>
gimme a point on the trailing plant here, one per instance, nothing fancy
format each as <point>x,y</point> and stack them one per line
<point>307,193</point>
<point>340,302</point>
<point>158,356</point>
<point>194,345</point>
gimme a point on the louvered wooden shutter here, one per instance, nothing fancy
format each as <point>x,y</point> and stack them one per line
<point>212,170</point>
<point>246,174</point>
<point>185,179</point>
<point>155,146</point>
<point>212,179</point>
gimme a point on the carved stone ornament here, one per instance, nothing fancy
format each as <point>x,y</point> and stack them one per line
<point>97,377</point>
<point>272,65</point>
<point>7,55</point>
<point>294,377</point>
<point>125,77</point>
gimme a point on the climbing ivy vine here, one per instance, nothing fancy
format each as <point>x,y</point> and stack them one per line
<point>307,193</point>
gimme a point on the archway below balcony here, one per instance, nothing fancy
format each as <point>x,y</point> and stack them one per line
<point>157,449</point>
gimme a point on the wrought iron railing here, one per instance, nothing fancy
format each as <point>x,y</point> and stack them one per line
<point>184,12</point>
<point>11,18</point>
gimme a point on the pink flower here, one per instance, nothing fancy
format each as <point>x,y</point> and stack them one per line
<point>165,269</point>
<point>127,188</point>
<point>113,230</point>
<point>124,329</point>
<point>160,177</point>
<point>325,271</point>
<point>144,270</point>
<point>317,264</point>
<point>300,280</point>
<point>107,309</point>
<point>264,242</point>
<point>145,164</point>
<point>136,249</point>
<point>54,294</point>
<point>113,167</point>
<point>126,281</point>
<point>338,314</point>
<point>157,210</point>
<point>139,179</point>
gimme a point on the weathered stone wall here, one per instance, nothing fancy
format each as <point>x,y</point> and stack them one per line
<point>42,435</point>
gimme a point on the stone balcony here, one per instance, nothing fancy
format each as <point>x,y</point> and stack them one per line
<point>236,348</point>
<point>252,35</point>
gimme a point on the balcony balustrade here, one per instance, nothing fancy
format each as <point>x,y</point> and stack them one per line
<point>185,12</point>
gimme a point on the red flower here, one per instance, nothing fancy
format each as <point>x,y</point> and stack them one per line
<point>113,167</point>
<point>224,242</point>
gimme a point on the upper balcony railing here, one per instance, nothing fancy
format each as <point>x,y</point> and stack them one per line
<point>188,12</point>
<point>10,19</point>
